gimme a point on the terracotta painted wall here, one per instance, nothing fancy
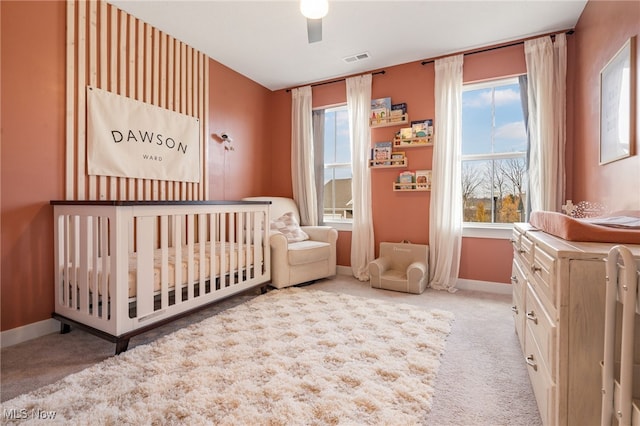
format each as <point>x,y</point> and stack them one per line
<point>398,216</point>
<point>602,29</point>
<point>279,143</point>
<point>239,107</point>
<point>32,157</point>
<point>33,75</point>
<point>401,216</point>
<point>33,149</point>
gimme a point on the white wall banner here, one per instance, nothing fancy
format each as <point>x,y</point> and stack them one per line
<point>129,138</point>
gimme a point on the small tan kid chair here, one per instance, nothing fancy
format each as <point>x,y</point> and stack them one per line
<point>401,267</point>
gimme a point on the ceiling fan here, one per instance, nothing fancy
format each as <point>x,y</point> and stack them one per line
<point>314,11</point>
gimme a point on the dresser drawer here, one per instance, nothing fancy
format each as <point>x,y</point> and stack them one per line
<point>518,278</point>
<point>524,251</point>
<point>542,327</point>
<point>518,306</point>
<point>518,312</point>
<point>544,387</point>
<point>543,270</point>
<point>515,237</point>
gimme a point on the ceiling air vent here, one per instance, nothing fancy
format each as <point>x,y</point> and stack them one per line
<point>356,58</point>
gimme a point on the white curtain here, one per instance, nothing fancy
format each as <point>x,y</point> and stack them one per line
<point>546,70</point>
<point>445,213</point>
<point>302,164</point>
<point>362,242</point>
<point>318,154</point>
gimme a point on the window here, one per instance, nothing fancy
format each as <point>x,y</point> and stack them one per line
<point>494,147</point>
<point>336,198</point>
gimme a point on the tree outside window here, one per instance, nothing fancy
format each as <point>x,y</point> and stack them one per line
<point>494,146</point>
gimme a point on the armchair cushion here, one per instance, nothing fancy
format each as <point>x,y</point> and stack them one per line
<point>309,251</point>
<point>288,225</point>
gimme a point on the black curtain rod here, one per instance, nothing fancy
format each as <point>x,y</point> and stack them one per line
<point>489,49</point>
<point>339,80</point>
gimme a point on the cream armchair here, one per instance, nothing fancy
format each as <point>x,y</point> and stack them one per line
<point>296,259</point>
<point>401,267</point>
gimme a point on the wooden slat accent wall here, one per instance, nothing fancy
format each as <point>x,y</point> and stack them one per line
<point>112,50</point>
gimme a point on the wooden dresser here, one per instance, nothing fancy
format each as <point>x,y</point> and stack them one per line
<point>558,309</point>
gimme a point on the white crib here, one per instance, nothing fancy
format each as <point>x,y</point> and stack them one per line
<point>124,267</point>
<point>621,365</point>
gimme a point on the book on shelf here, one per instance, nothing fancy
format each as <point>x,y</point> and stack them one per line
<point>384,103</point>
<point>406,133</point>
<point>422,128</point>
<point>406,177</point>
<point>397,157</point>
<point>380,110</point>
<point>381,154</point>
<point>396,115</point>
<point>423,179</point>
<point>379,115</point>
<point>399,109</point>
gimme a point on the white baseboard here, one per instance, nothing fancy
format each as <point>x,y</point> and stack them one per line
<point>28,332</point>
<point>463,284</point>
<point>485,286</point>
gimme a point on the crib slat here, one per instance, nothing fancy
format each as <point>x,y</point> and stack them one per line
<point>144,266</point>
<point>74,260</point>
<point>164,261</point>
<point>177,239</point>
<point>84,247</point>
<point>260,235</point>
<point>105,267</point>
<point>232,249</point>
<point>202,223</point>
<point>213,238</point>
<point>223,250</point>
<point>94,264</point>
<point>190,256</point>
<point>241,253</point>
<point>64,259</point>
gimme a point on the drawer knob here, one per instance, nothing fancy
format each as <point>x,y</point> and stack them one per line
<point>535,268</point>
<point>532,316</point>
<point>514,309</point>
<point>514,279</point>
<point>521,251</point>
<point>531,363</point>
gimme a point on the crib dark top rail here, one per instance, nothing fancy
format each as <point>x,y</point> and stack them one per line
<point>150,203</point>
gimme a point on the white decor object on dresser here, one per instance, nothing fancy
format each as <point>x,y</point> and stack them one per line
<point>558,308</point>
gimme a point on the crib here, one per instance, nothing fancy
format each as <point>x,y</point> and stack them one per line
<point>125,267</point>
<point>621,364</point>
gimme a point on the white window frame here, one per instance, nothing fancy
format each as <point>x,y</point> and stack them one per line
<point>346,224</point>
<point>485,229</point>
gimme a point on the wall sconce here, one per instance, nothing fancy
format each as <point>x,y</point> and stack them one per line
<point>224,138</point>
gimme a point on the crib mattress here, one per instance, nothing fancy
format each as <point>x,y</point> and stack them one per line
<point>242,257</point>
<point>572,229</point>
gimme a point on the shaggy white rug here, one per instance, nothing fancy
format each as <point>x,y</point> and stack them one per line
<point>292,356</point>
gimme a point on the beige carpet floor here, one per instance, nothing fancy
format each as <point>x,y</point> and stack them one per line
<point>482,378</point>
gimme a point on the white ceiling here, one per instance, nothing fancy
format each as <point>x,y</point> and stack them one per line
<point>266,41</point>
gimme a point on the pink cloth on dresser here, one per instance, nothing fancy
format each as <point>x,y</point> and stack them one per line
<point>572,229</point>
